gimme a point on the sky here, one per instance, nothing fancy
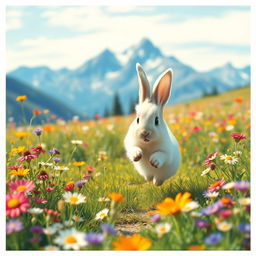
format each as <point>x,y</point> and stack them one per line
<point>66,36</point>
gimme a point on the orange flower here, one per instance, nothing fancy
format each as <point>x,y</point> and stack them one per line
<point>78,164</point>
<point>196,247</point>
<point>173,206</point>
<point>238,99</point>
<point>21,98</point>
<point>132,243</point>
<point>116,197</point>
<point>49,128</point>
<point>36,112</point>
<point>46,111</point>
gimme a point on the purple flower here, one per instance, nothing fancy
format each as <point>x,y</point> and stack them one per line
<point>38,131</point>
<point>36,229</point>
<point>244,227</point>
<point>212,209</point>
<point>107,228</point>
<point>213,238</point>
<point>242,185</point>
<point>13,226</point>
<point>80,183</point>
<point>54,151</point>
<point>200,223</point>
<point>35,239</point>
<point>155,217</point>
<point>94,238</point>
<point>51,152</point>
<point>56,159</point>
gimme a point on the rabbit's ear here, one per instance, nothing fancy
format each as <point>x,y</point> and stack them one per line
<point>162,88</point>
<point>144,91</point>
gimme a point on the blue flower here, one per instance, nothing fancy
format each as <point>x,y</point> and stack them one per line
<point>38,131</point>
<point>94,238</point>
<point>213,238</point>
<point>244,227</point>
<point>212,209</point>
<point>107,228</point>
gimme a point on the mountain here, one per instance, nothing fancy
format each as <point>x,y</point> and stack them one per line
<point>35,100</point>
<point>91,87</point>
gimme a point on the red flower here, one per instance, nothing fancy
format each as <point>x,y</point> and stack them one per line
<point>38,150</point>
<point>16,204</point>
<point>43,175</point>
<point>70,187</point>
<point>238,136</point>
<point>90,168</point>
<point>225,213</point>
<point>216,185</point>
<point>15,167</point>
<point>36,112</point>
<point>40,200</point>
<point>51,212</point>
<point>196,129</point>
<point>27,156</point>
<point>49,189</point>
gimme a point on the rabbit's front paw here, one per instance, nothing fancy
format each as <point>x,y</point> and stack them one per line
<point>157,159</point>
<point>135,154</point>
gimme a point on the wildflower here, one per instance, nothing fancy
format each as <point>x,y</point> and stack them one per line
<point>212,209</point>
<point>68,223</point>
<point>15,167</point>
<point>196,129</point>
<point>40,200</point>
<point>45,164</point>
<point>212,156</point>
<point>21,98</point>
<point>238,136</point>
<point>27,156</point>
<point>224,226</point>
<point>225,213</point>
<point>13,226</point>
<point>116,197</point>
<point>190,206</point>
<point>77,142</point>
<point>69,187</point>
<point>216,185</point>
<point>73,199</point>
<point>206,171</point>
<point>38,150</point>
<point>35,239</point>
<point>21,135</point>
<point>23,186</point>
<point>170,206</point>
<point>162,228</point>
<point>77,218</point>
<point>56,159</point>
<point>196,214</point>
<point>237,153</point>
<point>200,223</point>
<point>229,127</point>
<point>49,189</point>
<point>54,151</point>
<point>228,185</point>
<point>196,247</point>
<point>227,201</point>
<point>242,185</point>
<point>36,112</point>
<point>102,155</point>
<point>51,248</point>
<point>16,204</point>
<point>94,238</point>
<point>70,239</point>
<point>107,228</point>
<point>51,212</point>
<point>78,164</point>
<point>36,229</point>
<point>80,183</point>
<point>35,211</point>
<point>61,168</point>
<point>102,214</point>
<point>132,243</point>
<point>21,172</point>
<point>228,159</point>
<point>213,238</point>
<point>244,227</point>
<point>16,151</point>
<point>90,168</point>
<point>244,201</point>
<point>155,218</point>
<point>38,131</point>
<point>43,175</point>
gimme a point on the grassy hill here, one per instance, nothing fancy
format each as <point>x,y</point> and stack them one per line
<point>36,100</point>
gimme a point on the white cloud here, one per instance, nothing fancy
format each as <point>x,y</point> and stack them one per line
<point>122,31</point>
<point>13,19</point>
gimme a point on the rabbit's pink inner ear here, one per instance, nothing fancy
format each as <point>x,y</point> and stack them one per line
<point>144,91</point>
<point>162,90</point>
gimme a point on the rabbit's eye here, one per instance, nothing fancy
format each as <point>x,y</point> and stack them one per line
<point>138,120</point>
<point>156,121</point>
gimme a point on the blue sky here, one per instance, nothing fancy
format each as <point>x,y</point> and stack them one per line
<point>201,36</point>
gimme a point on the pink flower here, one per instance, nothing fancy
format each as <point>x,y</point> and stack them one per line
<point>90,168</point>
<point>216,185</point>
<point>40,200</point>
<point>16,204</point>
<point>196,129</point>
<point>238,136</point>
<point>38,150</point>
<point>27,156</point>
<point>49,189</point>
<point>15,167</point>
<point>21,186</point>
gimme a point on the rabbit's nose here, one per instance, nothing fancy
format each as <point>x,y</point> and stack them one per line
<point>145,133</point>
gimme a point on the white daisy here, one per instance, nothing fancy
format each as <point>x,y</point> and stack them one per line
<point>103,199</point>
<point>211,194</point>
<point>35,211</point>
<point>190,206</point>
<point>68,223</point>
<point>206,171</point>
<point>196,214</point>
<point>162,228</point>
<point>229,159</point>
<point>61,168</point>
<point>224,226</point>
<point>77,142</point>
<point>45,164</point>
<point>50,230</point>
<point>229,127</point>
<point>74,198</point>
<point>244,201</point>
<point>228,185</point>
<point>71,239</point>
<point>102,214</point>
<point>77,218</point>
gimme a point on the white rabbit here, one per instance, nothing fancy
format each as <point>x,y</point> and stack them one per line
<point>149,143</point>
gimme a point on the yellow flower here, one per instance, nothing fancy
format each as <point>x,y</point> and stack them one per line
<point>196,247</point>
<point>132,243</point>
<point>21,135</point>
<point>173,206</point>
<point>21,98</point>
<point>224,226</point>
<point>116,197</point>
<point>21,172</point>
<point>70,182</point>
<point>17,150</point>
<point>78,164</point>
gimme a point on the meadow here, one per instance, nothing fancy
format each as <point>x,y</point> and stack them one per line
<point>70,186</point>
